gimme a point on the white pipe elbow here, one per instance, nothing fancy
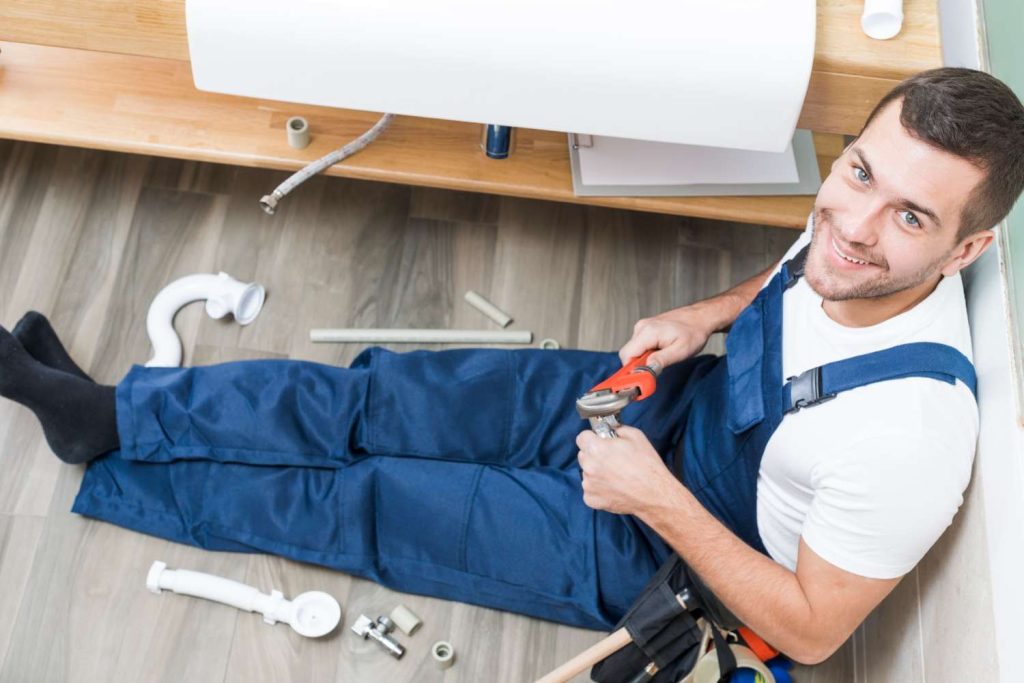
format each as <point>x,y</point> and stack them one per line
<point>223,294</point>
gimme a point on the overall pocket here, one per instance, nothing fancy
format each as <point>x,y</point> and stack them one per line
<point>453,404</point>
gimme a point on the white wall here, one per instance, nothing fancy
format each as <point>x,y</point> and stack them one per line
<point>998,467</point>
<point>999,470</point>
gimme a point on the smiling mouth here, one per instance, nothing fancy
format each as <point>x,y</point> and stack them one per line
<point>848,258</point>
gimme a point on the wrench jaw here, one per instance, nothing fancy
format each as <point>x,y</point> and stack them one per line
<point>602,409</point>
<point>601,405</point>
<point>605,425</point>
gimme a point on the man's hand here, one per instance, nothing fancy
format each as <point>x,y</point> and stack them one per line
<point>677,334</point>
<point>622,475</point>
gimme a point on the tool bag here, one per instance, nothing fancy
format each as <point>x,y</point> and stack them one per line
<point>666,633</point>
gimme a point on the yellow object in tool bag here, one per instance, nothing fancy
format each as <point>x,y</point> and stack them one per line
<point>707,670</point>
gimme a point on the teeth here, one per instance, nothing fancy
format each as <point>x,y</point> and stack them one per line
<point>851,260</point>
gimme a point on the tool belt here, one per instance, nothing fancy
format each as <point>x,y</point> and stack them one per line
<point>670,625</point>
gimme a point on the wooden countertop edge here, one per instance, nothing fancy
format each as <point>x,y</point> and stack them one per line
<point>547,172</point>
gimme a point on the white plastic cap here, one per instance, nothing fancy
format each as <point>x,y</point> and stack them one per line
<point>153,577</point>
<point>882,19</point>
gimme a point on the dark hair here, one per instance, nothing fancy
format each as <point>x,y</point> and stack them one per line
<point>972,115</point>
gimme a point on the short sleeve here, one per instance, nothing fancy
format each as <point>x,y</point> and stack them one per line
<point>878,509</point>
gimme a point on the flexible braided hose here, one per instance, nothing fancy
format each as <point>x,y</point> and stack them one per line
<point>269,202</point>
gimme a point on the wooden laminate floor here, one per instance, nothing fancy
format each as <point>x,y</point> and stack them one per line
<point>89,238</point>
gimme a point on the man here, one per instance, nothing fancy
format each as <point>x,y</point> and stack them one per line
<point>799,495</point>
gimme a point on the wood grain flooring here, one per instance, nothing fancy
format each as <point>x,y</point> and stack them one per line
<point>89,238</point>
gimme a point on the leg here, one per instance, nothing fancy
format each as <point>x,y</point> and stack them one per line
<point>77,415</point>
<point>507,538</point>
<point>498,522</point>
<point>514,408</point>
<point>41,341</point>
<point>482,405</point>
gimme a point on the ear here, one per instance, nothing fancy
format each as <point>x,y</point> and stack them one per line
<point>968,251</point>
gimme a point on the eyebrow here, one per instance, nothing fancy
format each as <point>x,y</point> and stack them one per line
<point>903,201</point>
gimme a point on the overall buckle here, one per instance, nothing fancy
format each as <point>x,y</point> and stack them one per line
<point>805,390</point>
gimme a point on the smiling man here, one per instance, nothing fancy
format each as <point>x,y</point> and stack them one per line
<point>846,491</point>
<point>800,475</point>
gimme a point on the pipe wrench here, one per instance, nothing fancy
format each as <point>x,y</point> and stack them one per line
<point>602,404</point>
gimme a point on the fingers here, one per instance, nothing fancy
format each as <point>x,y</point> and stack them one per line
<point>589,445</point>
<point>629,433</point>
<point>670,342</point>
<point>673,353</point>
<point>585,439</point>
<point>646,336</point>
<point>631,349</point>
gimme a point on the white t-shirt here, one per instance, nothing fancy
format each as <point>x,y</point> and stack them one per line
<point>872,478</point>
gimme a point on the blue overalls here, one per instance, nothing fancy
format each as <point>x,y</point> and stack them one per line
<point>452,473</point>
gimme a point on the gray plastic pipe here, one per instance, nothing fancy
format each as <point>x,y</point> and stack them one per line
<point>420,336</point>
<point>223,294</point>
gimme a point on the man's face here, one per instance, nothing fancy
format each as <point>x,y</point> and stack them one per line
<point>886,218</point>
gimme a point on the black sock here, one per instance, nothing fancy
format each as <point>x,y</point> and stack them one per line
<point>38,338</point>
<point>78,416</point>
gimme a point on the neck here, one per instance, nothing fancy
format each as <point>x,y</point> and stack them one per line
<point>874,310</point>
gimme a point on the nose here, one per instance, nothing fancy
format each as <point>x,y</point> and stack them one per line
<point>862,226</point>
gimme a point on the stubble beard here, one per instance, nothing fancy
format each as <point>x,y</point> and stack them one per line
<point>827,284</point>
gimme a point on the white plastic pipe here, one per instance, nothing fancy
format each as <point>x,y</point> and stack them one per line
<point>311,614</point>
<point>882,19</point>
<point>223,294</point>
<point>415,336</point>
<point>487,308</point>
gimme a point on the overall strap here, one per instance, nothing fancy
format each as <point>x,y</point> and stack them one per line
<point>793,269</point>
<point>917,359</point>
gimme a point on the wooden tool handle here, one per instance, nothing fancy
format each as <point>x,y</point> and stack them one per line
<point>592,655</point>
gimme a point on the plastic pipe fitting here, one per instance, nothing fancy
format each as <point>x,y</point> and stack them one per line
<point>404,618</point>
<point>443,654</point>
<point>882,19</point>
<point>311,614</point>
<point>487,308</point>
<point>298,132</point>
<point>223,294</point>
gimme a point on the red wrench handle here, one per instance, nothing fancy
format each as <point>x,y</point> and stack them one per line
<point>634,374</point>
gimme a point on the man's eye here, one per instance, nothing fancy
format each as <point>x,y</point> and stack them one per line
<point>911,219</point>
<point>858,171</point>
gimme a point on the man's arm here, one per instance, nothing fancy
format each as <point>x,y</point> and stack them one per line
<point>682,332</point>
<point>807,614</point>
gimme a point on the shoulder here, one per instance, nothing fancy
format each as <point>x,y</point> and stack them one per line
<point>879,439</point>
<point>921,414</point>
<point>885,498</point>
